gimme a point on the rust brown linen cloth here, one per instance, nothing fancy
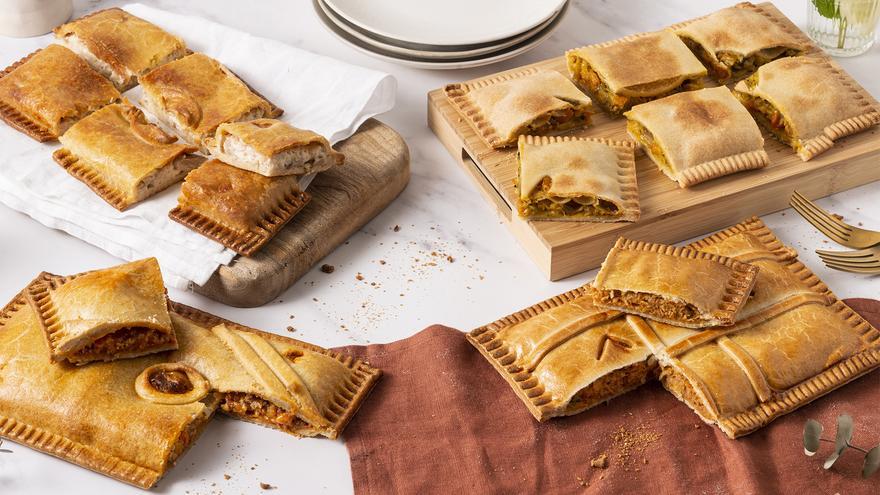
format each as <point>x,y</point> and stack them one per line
<point>441,420</point>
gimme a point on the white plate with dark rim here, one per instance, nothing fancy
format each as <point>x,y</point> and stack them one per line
<point>427,63</point>
<point>446,22</point>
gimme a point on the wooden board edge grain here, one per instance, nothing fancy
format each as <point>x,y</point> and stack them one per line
<point>344,199</point>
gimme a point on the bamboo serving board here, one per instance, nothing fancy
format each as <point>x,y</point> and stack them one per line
<point>669,214</point>
<point>376,170</point>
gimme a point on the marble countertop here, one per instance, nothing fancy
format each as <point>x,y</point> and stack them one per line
<point>451,260</point>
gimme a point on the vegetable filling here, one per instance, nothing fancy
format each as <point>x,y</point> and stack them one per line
<point>727,65</point>
<point>769,117</point>
<point>650,145</point>
<point>542,203</point>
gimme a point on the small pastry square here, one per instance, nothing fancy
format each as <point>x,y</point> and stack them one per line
<point>122,157</point>
<point>806,103</point>
<point>120,46</point>
<point>241,210</point>
<point>271,147</point>
<point>535,102</point>
<point>673,285</point>
<point>635,69</point>
<point>48,91</point>
<point>195,94</point>
<point>698,135</point>
<point>105,315</point>
<point>577,179</point>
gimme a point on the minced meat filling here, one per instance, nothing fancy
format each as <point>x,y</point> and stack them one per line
<point>251,406</point>
<point>651,304</point>
<point>609,386</point>
<point>768,116</point>
<point>682,388</point>
<point>121,341</point>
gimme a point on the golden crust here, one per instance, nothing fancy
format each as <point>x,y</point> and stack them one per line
<point>714,287</point>
<point>127,45</point>
<point>242,210</point>
<point>530,101</point>
<point>700,135</point>
<point>196,94</point>
<point>46,92</point>
<point>122,157</point>
<point>601,169</point>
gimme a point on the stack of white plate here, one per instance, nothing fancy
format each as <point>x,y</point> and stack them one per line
<point>441,34</point>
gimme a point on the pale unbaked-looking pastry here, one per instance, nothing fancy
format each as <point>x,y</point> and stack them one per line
<point>120,46</point>
<point>698,135</point>
<point>271,147</point>
<point>122,157</point>
<point>531,101</point>
<point>48,91</point>
<point>735,41</point>
<point>577,179</point>
<point>806,103</point>
<point>635,69</point>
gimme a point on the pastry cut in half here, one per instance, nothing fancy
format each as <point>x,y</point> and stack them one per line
<point>48,91</point>
<point>104,315</point>
<point>735,41</point>
<point>122,157</point>
<point>674,285</point>
<point>120,46</point>
<point>807,104</point>
<point>565,355</point>
<point>241,210</point>
<point>698,135</point>
<point>577,179</point>
<point>271,147</point>
<point>530,101</point>
<point>195,94</point>
<point>636,69</point>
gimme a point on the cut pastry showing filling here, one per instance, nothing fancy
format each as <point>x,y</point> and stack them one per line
<point>680,133</point>
<point>240,209</point>
<point>109,314</point>
<point>673,285</point>
<point>122,157</point>
<point>565,178</point>
<point>120,46</point>
<point>271,147</point>
<point>251,407</point>
<point>807,104</point>
<point>535,102</point>
<point>611,385</point>
<point>195,94</point>
<point>606,70</point>
<point>718,41</point>
<point>50,90</point>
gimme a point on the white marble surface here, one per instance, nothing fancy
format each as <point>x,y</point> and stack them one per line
<point>441,211</point>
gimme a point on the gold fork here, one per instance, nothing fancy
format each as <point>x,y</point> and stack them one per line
<point>861,261</point>
<point>832,226</point>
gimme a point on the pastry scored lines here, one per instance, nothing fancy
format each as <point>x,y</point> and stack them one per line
<point>260,359</point>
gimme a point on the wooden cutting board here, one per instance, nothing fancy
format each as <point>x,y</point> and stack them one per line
<point>376,170</point>
<point>669,214</point>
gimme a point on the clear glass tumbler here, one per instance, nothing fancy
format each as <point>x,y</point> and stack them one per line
<point>843,28</point>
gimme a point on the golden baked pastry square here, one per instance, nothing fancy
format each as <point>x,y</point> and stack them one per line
<point>577,179</point>
<point>48,91</point>
<point>271,147</point>
<point>241,210</point>
<point>104,315</point>
<point>123,158</point>
<point>672,284</point>
<point>698,135</point>
<point>807,104</point>
<point>120,46</point>
<point>195,94</point>
<point>530,101</point>
<point>735,41</point>
<point>635,69</point>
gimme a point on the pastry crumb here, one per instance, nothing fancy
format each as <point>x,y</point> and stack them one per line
<point>600,462</point>
<point>226,477</point>
<point>582,482</point>
<point>396,228</point>
<point>359,276</point>
<point>328,268</point>
<point>267,486</point>
<point>291,329</point>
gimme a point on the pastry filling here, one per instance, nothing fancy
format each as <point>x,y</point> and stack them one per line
<point>255,408</point>
<point>769,117</point>
<point>543,203</point>
<point>611,385</point>
<point>726,65</point>
<point>650,304</point>
<point>562,119</point>
<point>681,388</point>
<point>123,341</point>
<point>171,381</point>
<point>644,137</point>
<point>312,157</point>
<point>615,103</point>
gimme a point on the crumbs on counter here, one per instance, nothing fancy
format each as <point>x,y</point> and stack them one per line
<point>291,329</point>
<point>267,486</point>
<point>601,461</point>
<point>628,443</point>
<point>396,228</point>
<point>328,268</point>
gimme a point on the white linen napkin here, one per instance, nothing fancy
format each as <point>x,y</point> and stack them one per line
<point>327,96</point>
